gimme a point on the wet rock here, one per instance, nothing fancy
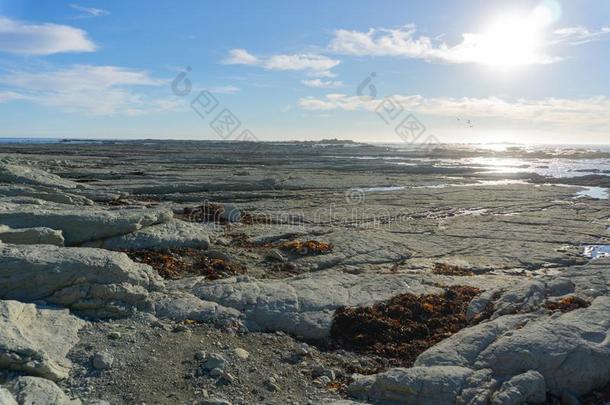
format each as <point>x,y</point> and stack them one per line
<point>171,235</point>
<point>31,236</point>
<point>102,361</point>
<point>35,340</point>
<point>93,281</point>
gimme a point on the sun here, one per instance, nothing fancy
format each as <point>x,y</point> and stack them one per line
<point>515,39</point>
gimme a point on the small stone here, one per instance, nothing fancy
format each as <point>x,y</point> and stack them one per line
<point>216,372</point>
<point>214,401</point>
<point>302,349</point>
<point>320,370</point>
<point>180,328</point>
<point>102,361</point>
<point>228,378</point>
<point>200,355</point>
<point>272,387</point>
<point>323,380</point>
<point>275,254</point>
<point>114,335</point>
<point>241,353</point>
<point>215,360</point>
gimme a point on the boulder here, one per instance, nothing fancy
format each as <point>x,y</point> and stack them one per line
<point>36,340</point>
<point>96,282</point>
<point>38,391</point>
<point>170,235</point>
<point>412,386</point>
<point>31,236</point>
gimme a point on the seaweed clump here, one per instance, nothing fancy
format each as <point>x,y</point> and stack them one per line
<point>310,247</point>
<point>451,270</point>
<point>179,263</point>
<point>404,326</point>
<point>567,304</point>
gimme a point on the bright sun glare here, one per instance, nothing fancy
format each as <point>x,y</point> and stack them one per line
<point>516,39</point>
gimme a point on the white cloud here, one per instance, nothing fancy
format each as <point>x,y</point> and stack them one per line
<point>403,42</point>
<point>322,84</point>
<point>89,11</point>
<point>580,35</point>
<point>42,39</point>
<point>573,113</point>
<point>224,89</point>
<point>316,65</point>
<point>93,90</point>
<point>240,57</point>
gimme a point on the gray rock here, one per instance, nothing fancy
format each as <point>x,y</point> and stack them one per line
<point>170,235</point>
<point>15,174</point>
<point>94,281</point>
<point>528,388</point>
<point>412,386</point>
<point>82,225</point>
<point>38,391</point>
<point>215,360</point>
<point>102,361</point>
<point>31,236</point>
<point>6,398</point>
<point>35,340</point>
<point>214,401</point>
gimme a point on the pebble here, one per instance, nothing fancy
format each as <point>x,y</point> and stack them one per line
<point>114,335</point>
<point>320,370</point>
<point>302,349</point>
<point>102,361</point>
<point>214,401</point>
<point>242,353</point>
<point>200,355</point>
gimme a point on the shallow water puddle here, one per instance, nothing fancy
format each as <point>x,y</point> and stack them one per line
<point>597,251</point>
<point>378,189</point>
<point>599,193</point>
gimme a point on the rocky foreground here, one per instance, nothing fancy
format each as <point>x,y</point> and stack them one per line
<point>215,273</point>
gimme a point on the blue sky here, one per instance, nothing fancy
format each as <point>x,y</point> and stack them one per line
<point>470,71</point>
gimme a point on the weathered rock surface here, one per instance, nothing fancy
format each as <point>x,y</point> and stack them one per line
<point>17,174</point>
<point>170,235</point>
<point>80,226</point>
<point>31,236</point>
<point>93,281</point>
<point>304,305</point>
<point>38,391</point>
<point>566,353</point>
<point>44,193</point>
<point>180,306</point>
<point>36,340</point>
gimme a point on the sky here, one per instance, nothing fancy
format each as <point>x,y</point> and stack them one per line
<point>376,71</point>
